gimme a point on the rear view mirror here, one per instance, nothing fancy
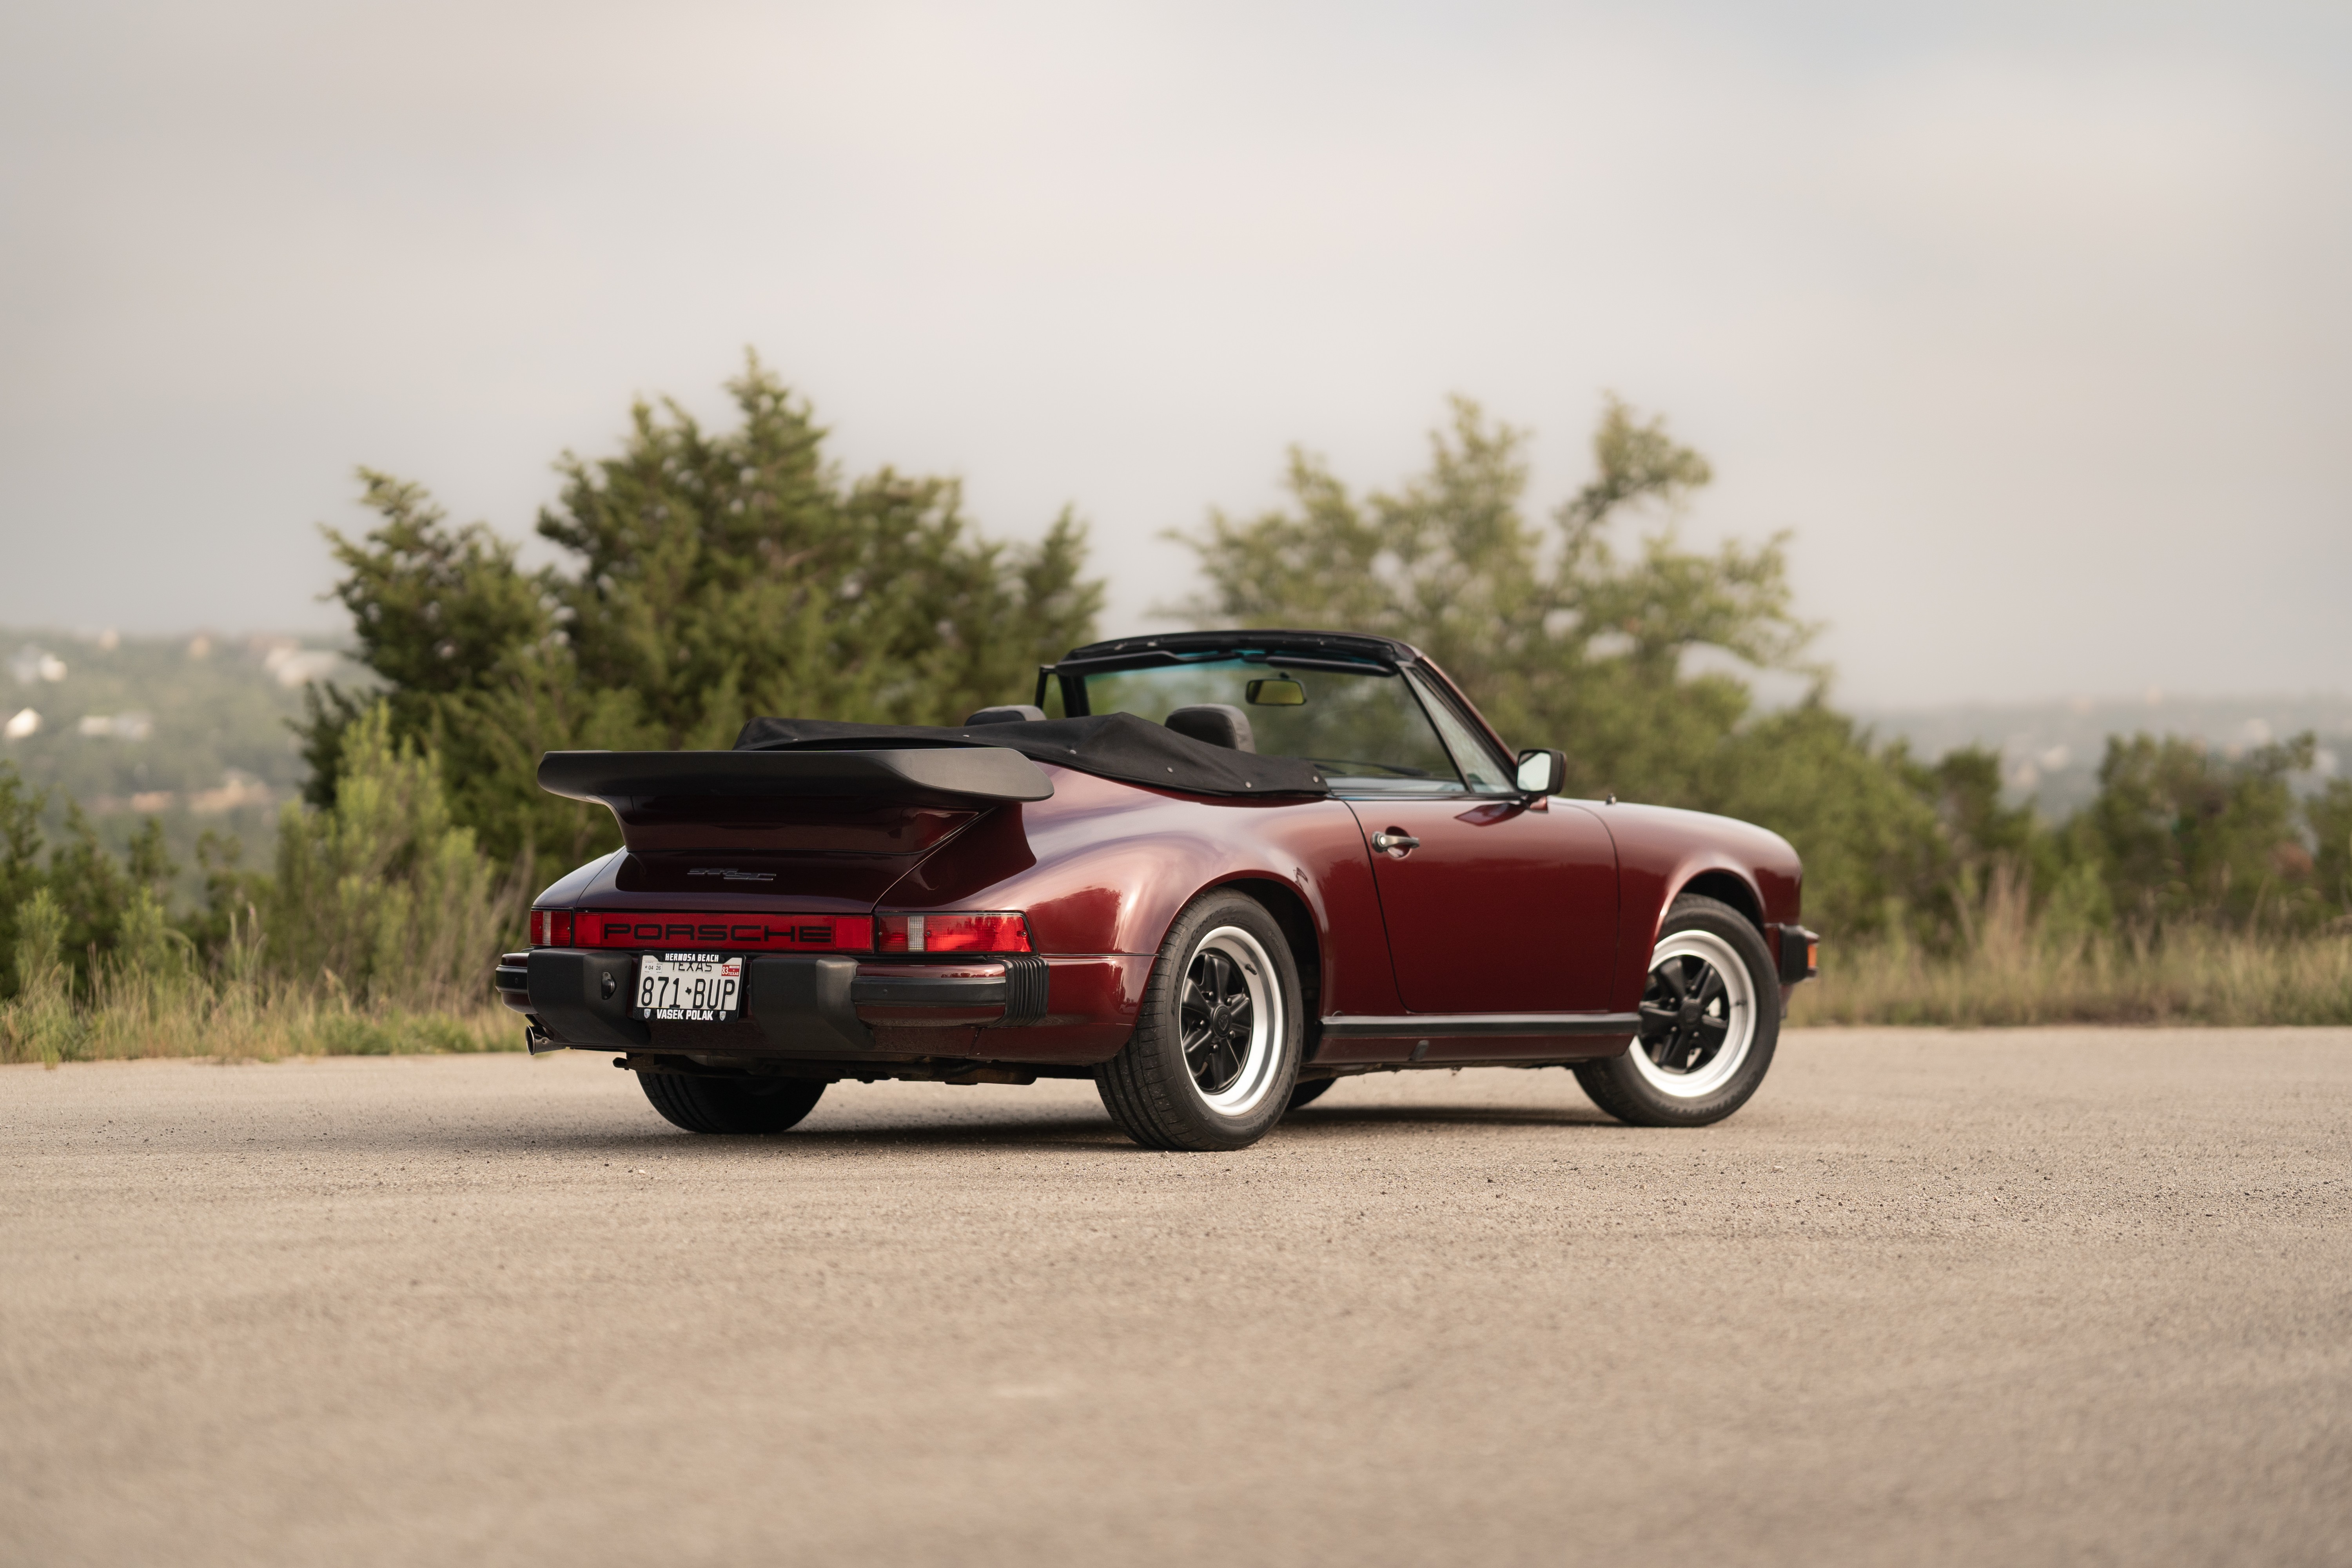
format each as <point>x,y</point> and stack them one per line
<point>1542,773</point>
<point>1277,693</point>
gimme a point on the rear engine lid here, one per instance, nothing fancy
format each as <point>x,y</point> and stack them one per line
<point>816,881</point>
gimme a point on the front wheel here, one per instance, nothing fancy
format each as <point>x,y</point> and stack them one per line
<point>1710,1018</point>
<point>1214,1055</point>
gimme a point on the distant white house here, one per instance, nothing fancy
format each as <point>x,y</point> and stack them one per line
<point>33,664</point>
<point>117,726</point>
<point>295,664</point>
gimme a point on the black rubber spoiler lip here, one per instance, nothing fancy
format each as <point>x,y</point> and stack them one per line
<point>937,775</point>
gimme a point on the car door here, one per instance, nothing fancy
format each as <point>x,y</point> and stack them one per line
<point>1494,905</point>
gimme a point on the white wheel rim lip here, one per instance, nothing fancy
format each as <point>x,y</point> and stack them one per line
<point>1264,1063</point>
<point>1739,998</point>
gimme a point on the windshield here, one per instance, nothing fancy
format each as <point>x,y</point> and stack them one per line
<point>1367,729</point>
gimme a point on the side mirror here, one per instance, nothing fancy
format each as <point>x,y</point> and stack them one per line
<point>1542,773</point>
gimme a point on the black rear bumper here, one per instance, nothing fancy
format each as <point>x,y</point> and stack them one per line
<point>826,1004</point>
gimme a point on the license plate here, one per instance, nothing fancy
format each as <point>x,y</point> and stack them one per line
<point>689,987</point>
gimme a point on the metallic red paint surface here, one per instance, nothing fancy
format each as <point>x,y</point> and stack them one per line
<point>1503,906</point>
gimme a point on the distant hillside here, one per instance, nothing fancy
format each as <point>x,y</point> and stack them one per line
<point>2051,750</point>
<point>191,729</point>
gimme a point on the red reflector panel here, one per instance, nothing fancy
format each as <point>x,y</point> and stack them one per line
<point>987,931</point>
<point>738,933</point>
<point>551,928</point>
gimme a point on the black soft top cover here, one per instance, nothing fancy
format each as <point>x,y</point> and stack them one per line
<point>1110,745</point>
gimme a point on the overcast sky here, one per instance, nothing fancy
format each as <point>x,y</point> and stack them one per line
<point>2031,321</point>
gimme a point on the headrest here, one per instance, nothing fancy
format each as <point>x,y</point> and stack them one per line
<point>1012,713</point>
<point>1219,723</point>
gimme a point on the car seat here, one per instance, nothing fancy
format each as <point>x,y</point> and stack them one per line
<point>1218,723</point>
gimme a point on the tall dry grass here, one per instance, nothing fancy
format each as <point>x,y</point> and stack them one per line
<point>2011,965</point>
<point>151,1000</point>
<point>265,1026</point>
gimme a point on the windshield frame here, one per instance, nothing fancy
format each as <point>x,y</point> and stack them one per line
<point>1436,693</point>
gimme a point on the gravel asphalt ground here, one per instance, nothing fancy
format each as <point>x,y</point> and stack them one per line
<point>2078,1295</point>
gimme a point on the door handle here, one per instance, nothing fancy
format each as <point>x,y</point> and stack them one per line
<point>1392,840</point>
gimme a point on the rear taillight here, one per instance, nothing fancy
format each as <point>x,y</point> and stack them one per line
<point>989,931</point>
<point>551,928</point>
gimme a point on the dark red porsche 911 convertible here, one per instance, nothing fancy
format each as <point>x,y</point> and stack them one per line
<point>1215,872</point>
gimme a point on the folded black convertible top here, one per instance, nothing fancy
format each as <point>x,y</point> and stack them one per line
<point>1109,746</point>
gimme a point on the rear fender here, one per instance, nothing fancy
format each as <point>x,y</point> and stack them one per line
<point>1106,868</point>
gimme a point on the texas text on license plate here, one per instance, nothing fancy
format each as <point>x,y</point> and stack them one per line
<point>689,987</point>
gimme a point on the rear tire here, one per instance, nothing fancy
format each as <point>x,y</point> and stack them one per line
<point>1710,1018</point>
<point>731,1105</point>
<point>1214,1055</point>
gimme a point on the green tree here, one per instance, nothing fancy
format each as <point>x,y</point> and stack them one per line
<point>383,896</point>
<point>91,890</point>
<point>40,1015</point>
<point>706,576</point>
<point>2185,833</point>
<point>1566,637</point>
<point>2330,815</point>
<point>724,575</point>
<point>1968,782</point>
<point>20,860</point>
<point>437,613</point>
<point>1876,851</point>
<point>1559,637</point>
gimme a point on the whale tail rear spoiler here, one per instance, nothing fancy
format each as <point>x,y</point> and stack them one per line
<point>896,801</point>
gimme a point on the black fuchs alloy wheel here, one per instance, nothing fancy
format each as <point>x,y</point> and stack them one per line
<point>1710,1019</point>
<point>1214,1055</point>
<point>730,1104</point>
